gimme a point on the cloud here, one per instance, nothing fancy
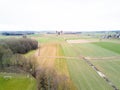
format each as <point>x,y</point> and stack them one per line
<point>64,14</point>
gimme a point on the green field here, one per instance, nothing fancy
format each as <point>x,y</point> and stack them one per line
<point>110,67</point>
<point>83,75</point>
<point>114,47</point>
<point>16,82</point>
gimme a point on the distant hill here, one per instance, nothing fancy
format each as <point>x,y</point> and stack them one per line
<point>14,33</point>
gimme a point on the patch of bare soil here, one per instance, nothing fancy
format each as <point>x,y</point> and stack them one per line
<point>81,41</point>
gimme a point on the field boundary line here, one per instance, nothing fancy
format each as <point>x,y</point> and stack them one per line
<point>103,58</point>
<point>59,57</point>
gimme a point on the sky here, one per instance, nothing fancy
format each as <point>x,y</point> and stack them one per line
<point>66,15</point>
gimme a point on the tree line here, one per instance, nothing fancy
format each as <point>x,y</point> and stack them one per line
<point>19,45</point>
<point>11,48</point>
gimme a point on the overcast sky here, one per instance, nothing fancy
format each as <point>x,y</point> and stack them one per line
<point>74,15</point>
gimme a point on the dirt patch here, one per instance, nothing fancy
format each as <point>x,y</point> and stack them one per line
<point>81,41</point>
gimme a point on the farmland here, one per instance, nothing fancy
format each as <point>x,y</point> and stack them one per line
<point>16,82</point>
<point>64,61</point>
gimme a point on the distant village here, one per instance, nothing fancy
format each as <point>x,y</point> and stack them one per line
<point>111,36</point>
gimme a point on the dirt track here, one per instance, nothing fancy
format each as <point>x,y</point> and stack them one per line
<point>103,58</point>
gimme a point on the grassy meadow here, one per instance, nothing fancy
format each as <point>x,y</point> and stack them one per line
<point>9,81</point>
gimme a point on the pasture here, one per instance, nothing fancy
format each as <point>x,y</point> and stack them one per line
<point>9,81</point>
